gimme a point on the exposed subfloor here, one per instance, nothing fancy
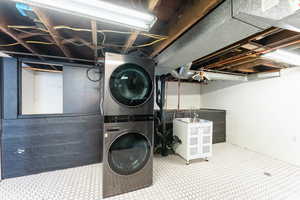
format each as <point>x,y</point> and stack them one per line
<point>232,173</point>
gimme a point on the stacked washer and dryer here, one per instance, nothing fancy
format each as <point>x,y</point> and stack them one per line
<point>128,124</point>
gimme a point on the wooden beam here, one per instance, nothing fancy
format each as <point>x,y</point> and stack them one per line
<point>86,43</point>
<point>250,64</point>
<point>152,4</point>
<point>4,28</point>
<point>27,35</point>
<point>94,38</point>
<point>130,41</point>
<point>13,35</point>
<point>192,13</point>
<point>42,70</point>
<point>53,33</point>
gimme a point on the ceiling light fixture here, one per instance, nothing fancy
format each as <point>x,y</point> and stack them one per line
<point>100,11</point>
<point>283,56</point>
<point>4,55</point>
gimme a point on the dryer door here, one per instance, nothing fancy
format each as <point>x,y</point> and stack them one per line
<point>130,85</point>
<point>129,153</point>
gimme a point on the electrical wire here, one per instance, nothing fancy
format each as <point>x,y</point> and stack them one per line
<point>28,32</point>
<point>108,31</point>
<point>95,72</point>
<point>158,38</point>
<point>29,42</point>
<point>87,30</point>
<point>102,44</point>
<point>39,42</point>
<point>148,44</point>
<point>9,45</point>
<point>70,41</point>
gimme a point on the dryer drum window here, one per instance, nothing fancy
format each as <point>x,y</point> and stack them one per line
<point>129,153</point>
<point>130,85</point>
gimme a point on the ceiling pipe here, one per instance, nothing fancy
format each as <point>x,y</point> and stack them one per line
<point>213,76</point>
<point>185,73</point>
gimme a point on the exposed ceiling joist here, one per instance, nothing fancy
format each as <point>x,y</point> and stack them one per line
<point>4,28</point>
<point>238,44</point>
<point>193,12</point>
<point>94,38</point>
<point>129,43</point>
<point>152,4</point>
<point>86,43</point>
<point>28,35</point>
<point>46,56</point>
<point>248,65</point>
<point>53,33</point>
<point>19,40</point>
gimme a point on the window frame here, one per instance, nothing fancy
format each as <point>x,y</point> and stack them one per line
<point>20,115</point>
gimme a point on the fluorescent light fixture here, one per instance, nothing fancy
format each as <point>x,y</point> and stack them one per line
<point>4,55</point>
<point>100,11</point>
<point>283,56</point>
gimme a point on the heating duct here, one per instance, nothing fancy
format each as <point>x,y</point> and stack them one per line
<point>230,22</point>
<point>185,73</point>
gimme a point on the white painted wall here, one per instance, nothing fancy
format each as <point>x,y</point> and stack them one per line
<point>48,92</point>
<point>263,116</point>
<point>28,92</point>
<point>189,98</point>
<point>42,92</point>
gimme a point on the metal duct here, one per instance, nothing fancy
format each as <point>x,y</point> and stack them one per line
<point>184,72</point>
<point>263,76</point>
<point>217,30</point>
<point>212,76</point>
<point>230,22</point>
<point>266,13</point>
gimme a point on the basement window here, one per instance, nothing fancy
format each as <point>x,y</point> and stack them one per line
<point>42,89</point>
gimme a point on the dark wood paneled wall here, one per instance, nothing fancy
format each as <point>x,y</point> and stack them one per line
<point>218,117</point>
<point>37,144</point>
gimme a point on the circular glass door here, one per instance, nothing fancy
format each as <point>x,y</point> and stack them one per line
<point>129,153</point>
<point>130,85</point>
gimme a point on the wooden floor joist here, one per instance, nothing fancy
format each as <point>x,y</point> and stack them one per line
<point>94,38</point>
<point>53,33</point>
<point>193,12</point>
<point>152,4</point>
<point>19,40</point>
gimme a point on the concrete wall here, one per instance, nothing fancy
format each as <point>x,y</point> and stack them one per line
<point>42,92</point>
<point>189,96</point>
<point>261,115</point>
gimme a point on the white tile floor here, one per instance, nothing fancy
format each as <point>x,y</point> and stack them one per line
<point>232,173</point>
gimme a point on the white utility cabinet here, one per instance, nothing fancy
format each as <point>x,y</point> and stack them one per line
<point>195,136</point>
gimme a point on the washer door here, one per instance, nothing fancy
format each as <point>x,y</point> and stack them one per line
<point>129,153</point>
<point>130,85</point>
